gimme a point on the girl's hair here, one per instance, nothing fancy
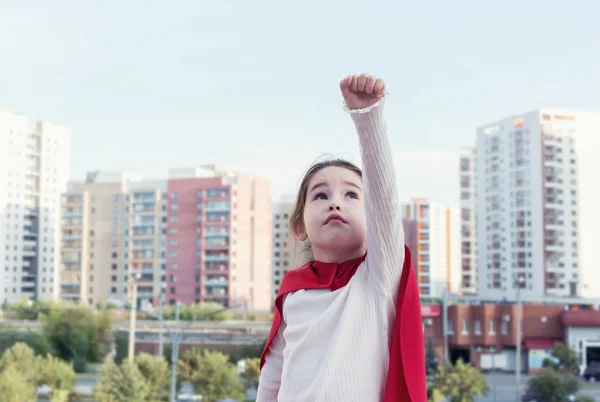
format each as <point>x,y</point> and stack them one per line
<point>297,218</point>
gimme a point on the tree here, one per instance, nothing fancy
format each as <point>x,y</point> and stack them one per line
<point>431,361</point>
<point>200,311</point>
<point>147,379</point>
<point>211,374</point>
<point>251,372</point>
<point>461,382</point>
<point>78,334</point>
<point>20,364</point>
<point>123,383</point>
<point>59,376</point>
<point>156,372</point>
<point>567,358</point>
<point>553,386</point>
<point>14,387</point>
<point>36,341</point>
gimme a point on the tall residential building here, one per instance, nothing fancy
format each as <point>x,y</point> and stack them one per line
<point>468,209</point>
<point>537,205</point>
<point>112,224</point>
<point>286,252</point>
<point>437,254</point>
<point>219,240</point>
<point>34,168</point>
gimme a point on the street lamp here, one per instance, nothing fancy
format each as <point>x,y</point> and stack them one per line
<point>519,282</point>
<point>133,282</point>
<point>161,305</point>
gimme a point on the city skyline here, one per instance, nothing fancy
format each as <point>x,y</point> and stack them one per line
<point>192,83</point>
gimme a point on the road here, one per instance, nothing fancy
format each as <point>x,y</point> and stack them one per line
<point>502,388</point>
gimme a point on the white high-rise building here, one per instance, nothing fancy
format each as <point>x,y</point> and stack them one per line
<point>468,206</point>
<point>34,168</point>
<point>537,205</point>
<point>436,256</point>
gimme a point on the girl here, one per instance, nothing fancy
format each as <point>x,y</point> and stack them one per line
<point>347,325</point>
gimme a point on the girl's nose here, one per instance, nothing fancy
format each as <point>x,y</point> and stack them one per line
<point>336,207</point>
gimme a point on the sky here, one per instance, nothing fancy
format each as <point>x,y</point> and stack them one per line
<point>149,85</point>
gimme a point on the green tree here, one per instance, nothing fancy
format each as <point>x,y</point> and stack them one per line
<point>123,383</point>
<point>78,334</point>
<point>59,376</point>
<point>461,382</point>
<point>15,387</point>
<point>200,311</point>
<point>21,358</point>
<point>585,398</point>
<point>35,340</point>
<point>211,374</point>
<point>568,361</point>
<point>20,363</point>
<point>156,372</point>
<point>552,385</point>
<point>147,379</point>
<point>251,372</point>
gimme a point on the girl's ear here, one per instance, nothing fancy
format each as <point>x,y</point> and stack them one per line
<point>299,231</point>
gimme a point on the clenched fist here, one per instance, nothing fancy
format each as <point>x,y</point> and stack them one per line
<point>361,91</point>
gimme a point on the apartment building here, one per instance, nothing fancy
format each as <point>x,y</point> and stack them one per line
<point>112,224</point>
<point>219,239</point>
<point>468,209</point>
<point>437,252</point>
<point>34,168</point>
<point>537,205</point>
<point>286,250</point>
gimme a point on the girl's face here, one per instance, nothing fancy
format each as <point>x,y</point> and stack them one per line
<point>334,215</point>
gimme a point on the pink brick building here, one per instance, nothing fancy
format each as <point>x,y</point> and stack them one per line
<point>219,238</point>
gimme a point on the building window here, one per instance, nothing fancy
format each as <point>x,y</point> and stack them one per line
<point>174,195</point>
<point>504,328</point>
<point>465,327</point>
<point>450,327</point>
<point>174,207</point>
<point>492,329</point>
<point>477,328</point>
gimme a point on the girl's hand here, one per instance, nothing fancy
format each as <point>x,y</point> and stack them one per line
<point>362,91</point>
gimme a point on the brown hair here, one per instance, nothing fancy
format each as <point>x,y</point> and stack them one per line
<point>297,218</point>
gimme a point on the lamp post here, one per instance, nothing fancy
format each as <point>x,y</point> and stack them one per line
<point>519,282</point>
<point>133,282</point>
<point>445,324</point>
<point>161,305</point>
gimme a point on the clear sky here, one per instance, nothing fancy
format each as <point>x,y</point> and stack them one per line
<point>147,85</point>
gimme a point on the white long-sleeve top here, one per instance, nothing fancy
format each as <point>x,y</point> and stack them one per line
<point>334,345</point>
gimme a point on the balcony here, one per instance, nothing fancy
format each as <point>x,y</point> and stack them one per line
<point>216,258</point>
<point>216,283</point>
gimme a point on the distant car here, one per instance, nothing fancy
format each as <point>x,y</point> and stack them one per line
<point>592,372</point>
<point>530,397</point>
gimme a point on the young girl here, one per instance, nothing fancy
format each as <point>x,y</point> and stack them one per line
<point>347,325</point>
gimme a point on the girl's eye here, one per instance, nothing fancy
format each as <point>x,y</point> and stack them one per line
<point>352,195</point>
<point>320,196</point>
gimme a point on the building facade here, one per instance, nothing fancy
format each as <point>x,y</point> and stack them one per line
<point>468,215</point>
<point>437,253</point>
<point>536,212</point>
<point>34,168</point>
<point>204,234</point>
<point>286,250</point>
<point>113,224</point>
<point>219,239</point>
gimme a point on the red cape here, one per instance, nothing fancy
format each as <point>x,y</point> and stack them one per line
<point>406,380</point>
